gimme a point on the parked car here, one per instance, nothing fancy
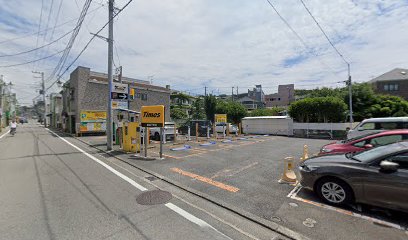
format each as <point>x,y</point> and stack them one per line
<point>375,125</point>
<point>378,177</point>
<point>222,127</point>
<point>364,142</point>
<point>168,131</point>
<point>202,127</point>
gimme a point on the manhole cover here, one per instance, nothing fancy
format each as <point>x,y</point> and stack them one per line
<point>151,178</point>
<point>154,197</point>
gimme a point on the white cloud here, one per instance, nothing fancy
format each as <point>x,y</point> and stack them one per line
<point>189,44</point>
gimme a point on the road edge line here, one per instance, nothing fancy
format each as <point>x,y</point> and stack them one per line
<point>2,136</point>
<point>116,172</point>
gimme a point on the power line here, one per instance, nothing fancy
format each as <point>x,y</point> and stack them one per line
<point>39,24</point>
<point>37,48</point>
<point>71,41</point>
<point>309,49</point>
<point>56,18</point>
<point>324,33</point>
<point>44,30</point>
<point>88,43</point>
<point>33,61</point>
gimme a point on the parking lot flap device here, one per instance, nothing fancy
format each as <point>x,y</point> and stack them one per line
<point>153,116</point>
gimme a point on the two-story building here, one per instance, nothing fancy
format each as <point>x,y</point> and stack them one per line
<point>283,98</point>
<point>394,82</point>
<point>87,92</point>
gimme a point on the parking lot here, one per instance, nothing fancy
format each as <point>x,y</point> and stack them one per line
<point>243,173</point>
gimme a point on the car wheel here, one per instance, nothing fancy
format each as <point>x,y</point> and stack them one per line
<point>157,136</point>
<point>334,191</point>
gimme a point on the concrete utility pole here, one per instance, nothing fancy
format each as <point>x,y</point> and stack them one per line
<point>350,96</point>
<point>232,94</point>
<point>1,101</point>
<point>205,91</point>
<point>43,94</point>
<point>109,121</point>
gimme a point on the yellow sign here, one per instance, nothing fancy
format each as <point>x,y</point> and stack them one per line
<point>220,118</point>
<point>93,116</point>
<point>153,116</point>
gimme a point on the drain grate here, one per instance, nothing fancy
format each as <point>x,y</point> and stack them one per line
<point>154,197</point>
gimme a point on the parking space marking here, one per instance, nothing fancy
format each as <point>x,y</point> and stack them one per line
<point>206,180</point>
<point>232,172</point>
<point>196,151</point>
<point>295,191</point>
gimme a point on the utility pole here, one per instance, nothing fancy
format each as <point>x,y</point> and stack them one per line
<point>1,101</point>
<point>42,92</point>
<point>109,121</point>
<point>350,96</point>
<point>205,91</point>
<point>232,94</point>
<point>237,92</point>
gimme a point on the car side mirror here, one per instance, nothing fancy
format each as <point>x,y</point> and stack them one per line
<point>367,146</point>
<point>388,166</point>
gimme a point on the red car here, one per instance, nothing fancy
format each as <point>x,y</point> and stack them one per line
<point>364,142</point>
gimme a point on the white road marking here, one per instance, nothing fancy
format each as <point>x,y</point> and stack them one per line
<point>171,206</point>
<point>4,134</point>
<point>119,174</point>
<point>296,190</point>
<point>193,218</point>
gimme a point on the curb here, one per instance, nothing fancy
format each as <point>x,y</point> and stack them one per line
<point>249,216</point>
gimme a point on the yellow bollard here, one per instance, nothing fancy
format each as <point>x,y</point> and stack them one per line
<point>305,153</point>
<point>288,175</point>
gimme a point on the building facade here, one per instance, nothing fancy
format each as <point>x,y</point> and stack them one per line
<point>88,91</point>
<point>283,98</point>
<point>394,82</point>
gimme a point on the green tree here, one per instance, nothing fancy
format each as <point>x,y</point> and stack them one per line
<point>235,111</point>
<point>177,113</point>
<point>319,109</point>
<point>266,112</point>
<point>197,109</point>
<point>210,107</point>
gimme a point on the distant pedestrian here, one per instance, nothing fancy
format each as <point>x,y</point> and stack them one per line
<point>13,127</point>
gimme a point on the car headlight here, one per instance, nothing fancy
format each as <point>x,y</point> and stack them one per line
<point>326,150</point>
<point>308,168</point>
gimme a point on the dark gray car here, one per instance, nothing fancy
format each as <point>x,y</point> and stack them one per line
<point>376,177</point>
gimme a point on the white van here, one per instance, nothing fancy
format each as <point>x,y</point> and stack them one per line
<point>375,125</point>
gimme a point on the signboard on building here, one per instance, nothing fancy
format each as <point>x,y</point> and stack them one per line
<point>153,116</point>
<point>92,127</point>
<point>120,105</point>
<point>220,118</point>
<point>93,116</point>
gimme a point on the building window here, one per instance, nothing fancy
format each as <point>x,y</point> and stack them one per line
<point>391,87</point>
<point>143,96</point>
<point>278,99</point>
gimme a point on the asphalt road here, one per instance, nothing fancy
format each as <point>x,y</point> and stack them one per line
<point>59,188</point>
<point>244,175</point>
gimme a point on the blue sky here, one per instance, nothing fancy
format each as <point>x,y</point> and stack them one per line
<point>215,43</point>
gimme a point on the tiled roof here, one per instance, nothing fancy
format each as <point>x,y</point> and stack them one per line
<point>395,74</point>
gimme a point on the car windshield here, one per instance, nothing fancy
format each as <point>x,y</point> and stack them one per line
<point>375,153</point>
<point>357,138</point>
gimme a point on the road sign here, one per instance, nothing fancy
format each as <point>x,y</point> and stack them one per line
<point>119,88</point>
<point>122,96</point>
<point>153,116</point>
<point>220,118</point>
